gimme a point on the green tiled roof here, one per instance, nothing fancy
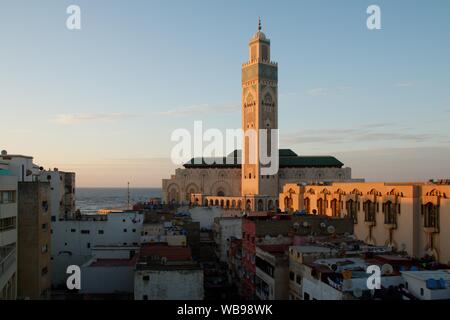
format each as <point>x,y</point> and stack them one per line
<point>288,158</point>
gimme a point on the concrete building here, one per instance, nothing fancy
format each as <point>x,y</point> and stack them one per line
<point>34,238</point>
<point>405,216</point>
<point>428,284</point>
<point>225,229</point>
<point>234,182</point>
<point>259,231</point>
<point>74,239</point>
<point>167,273</point>
<point>298,257</point>
<point>62,186</point>
<point>8,233</point>
<point>110,272</point>
<point>272,265</point>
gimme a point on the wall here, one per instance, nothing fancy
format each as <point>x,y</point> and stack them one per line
<point>70,246</point>
<point>169,285</point>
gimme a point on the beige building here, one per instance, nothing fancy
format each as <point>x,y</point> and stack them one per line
<point>409,217</point>
<point>34,215</point>
<point>243,186</point>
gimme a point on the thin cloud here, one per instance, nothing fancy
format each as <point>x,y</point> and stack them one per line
<point>367,133</point>
<point>67,119</point>
<point>317,92</point>
<point>403,84</point>
<point>203,109</point>
<point>322,92</point>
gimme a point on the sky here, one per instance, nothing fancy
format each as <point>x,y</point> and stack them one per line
<point>103,101</point>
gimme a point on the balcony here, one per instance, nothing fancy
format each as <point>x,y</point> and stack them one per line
<point>7,259</point>
<point>431,230</point>
<point>390,225</point>
<point>370,223</point>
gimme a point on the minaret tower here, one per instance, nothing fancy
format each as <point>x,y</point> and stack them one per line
<point>259,111</point>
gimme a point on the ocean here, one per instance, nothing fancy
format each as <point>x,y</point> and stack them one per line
<point>89,200</point>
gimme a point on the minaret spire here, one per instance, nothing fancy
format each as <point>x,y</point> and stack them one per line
<point>259,23</point>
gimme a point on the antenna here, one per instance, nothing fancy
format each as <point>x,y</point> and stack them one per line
<point>128,196</point>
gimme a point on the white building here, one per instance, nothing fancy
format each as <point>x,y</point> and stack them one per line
<point>8,233</point>
<point>167,273</point>
<point>62,193</point>
<point>110,271</point>
<point>226,228</point>
<point>429,284</point>
<point>73,240</point>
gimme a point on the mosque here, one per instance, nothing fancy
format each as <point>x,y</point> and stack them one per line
<point>233,185</point>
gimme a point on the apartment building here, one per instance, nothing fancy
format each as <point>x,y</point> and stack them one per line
<point>62,187</point>
<point>408,217</point>
<point>34,221</point>
<point>167,273</point>
<point>272,265</point>
<point>8,233</point>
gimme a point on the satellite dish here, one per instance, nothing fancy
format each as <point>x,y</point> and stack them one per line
<point>357,292</point>
<point>296,225</point>
<point>305,224</point>
<point>323,225</point>
<point>334,267</point>
<point>387,269</point>
<point>331,229</point>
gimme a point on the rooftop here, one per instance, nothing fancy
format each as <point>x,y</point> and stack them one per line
<point>288,158</point>
<point>171,253</point>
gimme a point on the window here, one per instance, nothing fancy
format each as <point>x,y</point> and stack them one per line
<point>101,232</point>
<point>431,215</point>
<point>352,207</point>
<point>124,230</point>
<point>134,230</point>
<point>291,276</point>
<point>44,248</point>
<point>421,291</point>
<point>88,245</point>
<point>146,278</point>
<point>45,206</point>
<point>44,271</point>
<point>369,210</point>
<point>44,227</point>
<point>306,296</point>
<point>53,218</point>
<point>73,230</point>
<point>85,232</point>
<point>144,297</point>
<point>390,213</point>
<point>7,223</point>
<point>298,279</point>
<point>7,196</point>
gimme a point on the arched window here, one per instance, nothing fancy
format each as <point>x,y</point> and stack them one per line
<point>335,208</point>
<point>431,215</point>
<point>390,213</point>
<point>320,206</point>
<point>260,205</point>
<point>369,211</point>
<point>307,205</point>
<point>352,210</point>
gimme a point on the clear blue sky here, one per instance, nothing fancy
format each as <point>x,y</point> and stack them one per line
<point>104,100</point>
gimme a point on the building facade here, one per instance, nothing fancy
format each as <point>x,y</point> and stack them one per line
<point>34,221</point>
<point>408,217</point>
<point>8,233</point>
